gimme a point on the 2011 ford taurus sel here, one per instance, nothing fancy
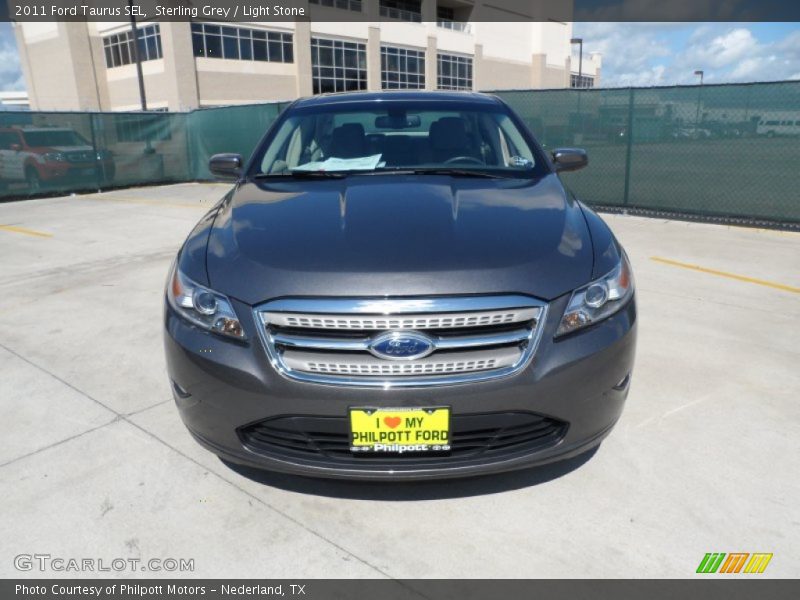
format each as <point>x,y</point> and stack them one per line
<point>399,286</point>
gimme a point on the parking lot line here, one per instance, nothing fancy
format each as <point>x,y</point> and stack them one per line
<point>24,231</point>
<point>133,200</point>
<point>765,230</point>
<point>120,417</point>
<point>772,284</point>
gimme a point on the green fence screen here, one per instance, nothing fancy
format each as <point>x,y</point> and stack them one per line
<point>729,151</point>
<point>724,150</point>
<point>229,129</point>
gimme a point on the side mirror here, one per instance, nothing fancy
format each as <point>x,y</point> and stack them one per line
<point>570,159</point>
<point>15,147</point>
<point>227,167</point>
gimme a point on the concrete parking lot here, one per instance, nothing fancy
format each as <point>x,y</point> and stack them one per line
<point>96,463</point>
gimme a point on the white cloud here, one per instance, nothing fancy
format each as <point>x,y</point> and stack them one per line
<point>647,77</point>
<point>722,51</point>
<point>669,53</point>
<point>627,48</point>
<point>750,68</point>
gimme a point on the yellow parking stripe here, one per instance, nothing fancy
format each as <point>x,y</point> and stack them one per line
<point>25,231</point>
<point>765,230</point>
<point>772,284</point>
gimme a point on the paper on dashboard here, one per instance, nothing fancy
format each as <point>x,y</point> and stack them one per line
<point>362,163</point>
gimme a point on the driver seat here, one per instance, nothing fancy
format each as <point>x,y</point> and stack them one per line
<point>348,141</point>
<point>448,138</point>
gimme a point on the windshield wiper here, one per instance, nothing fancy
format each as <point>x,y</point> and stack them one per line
<point>303,175</point>
<point>442,171</point>
<point>454,172</point>
<point>458,172</point>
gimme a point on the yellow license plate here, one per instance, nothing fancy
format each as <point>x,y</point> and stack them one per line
<point>399,430</point>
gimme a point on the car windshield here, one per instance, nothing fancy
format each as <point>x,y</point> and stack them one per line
<point>391,136</point>
<point>59,137</point>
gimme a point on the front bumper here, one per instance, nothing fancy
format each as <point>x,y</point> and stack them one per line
<point>60,171</point>
<point>221,386</point>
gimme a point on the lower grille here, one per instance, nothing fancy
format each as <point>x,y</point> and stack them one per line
<point>429,368</point>
<point>472,435</point>
<point>401,341</point>
<point>442,363</point>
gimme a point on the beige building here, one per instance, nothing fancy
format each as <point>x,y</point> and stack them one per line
<point>410,44</point>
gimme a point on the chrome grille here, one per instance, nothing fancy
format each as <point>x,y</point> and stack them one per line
<point>447,362</point>
<point>331,341</point>
<point>446,321</point>
<point>79,156</point>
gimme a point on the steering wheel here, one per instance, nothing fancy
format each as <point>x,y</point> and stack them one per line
<point>463,159</point>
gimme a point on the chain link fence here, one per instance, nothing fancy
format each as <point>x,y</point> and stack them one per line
<point>713,151</point>
<point>44,153</point>
<point>730,151</point>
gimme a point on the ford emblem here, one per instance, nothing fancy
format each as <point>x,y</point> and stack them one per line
<point>401,345</point>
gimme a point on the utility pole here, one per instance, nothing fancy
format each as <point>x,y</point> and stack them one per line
<point>699,92</point>
<point>579,41</point>
<point>700,73</point>
<point>136,57</point>
<point>579,137</point>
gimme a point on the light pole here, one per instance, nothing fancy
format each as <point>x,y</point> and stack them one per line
<point>700,73</point>
<point>136,58</point>
<point>697,112</point>
<point>579,41</point>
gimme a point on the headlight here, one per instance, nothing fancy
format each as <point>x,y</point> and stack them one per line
<point>54,156</point>
<point>598,300</point>
<point>203,307</point>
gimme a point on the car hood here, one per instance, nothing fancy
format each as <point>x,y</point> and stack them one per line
<point>398,235</point>
<point>64,149</point>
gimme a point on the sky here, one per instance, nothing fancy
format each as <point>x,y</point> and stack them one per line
<point>10,74</point>
<point>643,54</point>
<point>637,54</point>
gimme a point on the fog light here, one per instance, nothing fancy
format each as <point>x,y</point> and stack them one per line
<point>623,382</point>
<point>182,393</point>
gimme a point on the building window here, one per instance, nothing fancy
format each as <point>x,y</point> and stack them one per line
<point>239,43</point>
<point>402,69</point>
<point>581,81</point>
<point>354,5</point>
<point>338,66</point>
<point>446,19</point>
<point>142,127</point>
<point>119,47</point>
<point>404,10</point>
<point>454,72</point>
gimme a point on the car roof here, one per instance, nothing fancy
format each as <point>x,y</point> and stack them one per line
<point>395,95</point>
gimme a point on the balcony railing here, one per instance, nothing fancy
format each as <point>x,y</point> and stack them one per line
<point>400,14</point>
<point>454,25</point>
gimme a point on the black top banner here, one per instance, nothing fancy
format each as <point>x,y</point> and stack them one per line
<point>386,10</point>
